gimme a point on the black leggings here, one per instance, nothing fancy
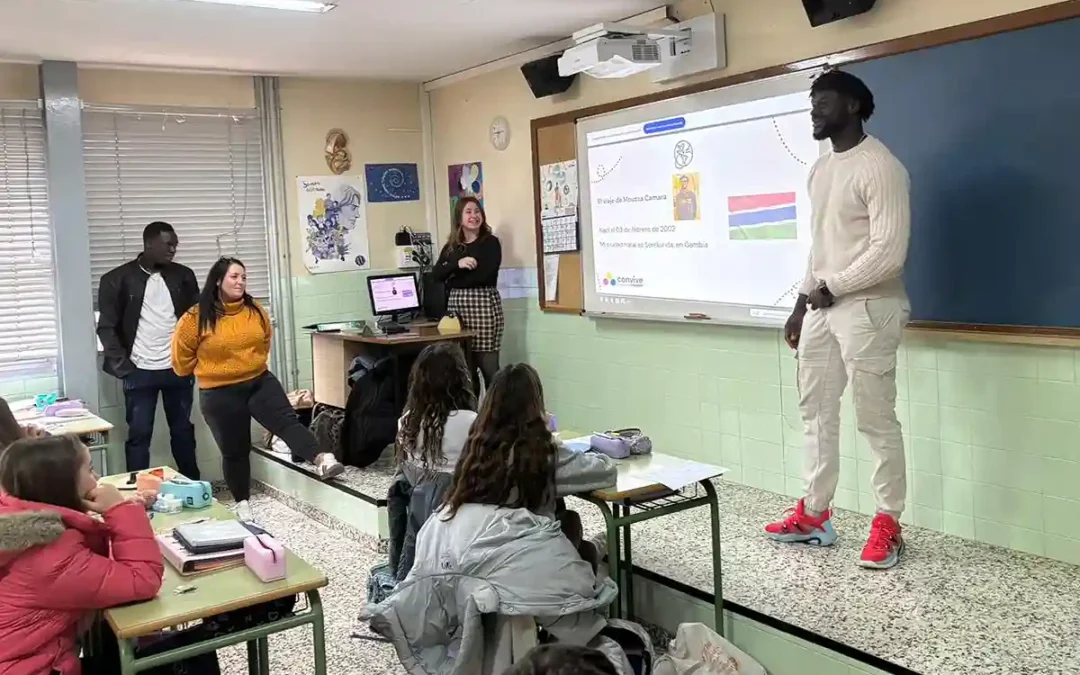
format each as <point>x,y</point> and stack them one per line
<point>228,411</point>
<point>487,363</point>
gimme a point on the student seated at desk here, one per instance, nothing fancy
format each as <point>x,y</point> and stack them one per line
<point>431,434</point>
<point>495,547</point>
<point>11,430</point>
<point>55,564</point>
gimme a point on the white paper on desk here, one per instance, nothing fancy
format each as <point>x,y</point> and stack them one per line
<point>551,277</point>
<point>686,473</point>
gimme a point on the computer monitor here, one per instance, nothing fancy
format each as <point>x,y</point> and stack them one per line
<point>393,294</point>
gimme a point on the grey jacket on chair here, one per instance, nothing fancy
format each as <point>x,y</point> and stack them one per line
<point>412,498</point>
<point>487,560</point>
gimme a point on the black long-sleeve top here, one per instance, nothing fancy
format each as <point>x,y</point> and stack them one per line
<point>488,253</point>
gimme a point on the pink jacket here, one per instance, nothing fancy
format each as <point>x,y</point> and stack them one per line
<point>55,568</point>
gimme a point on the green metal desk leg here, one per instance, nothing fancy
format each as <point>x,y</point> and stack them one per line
<point>612,551</point>
<point>718,587</point>
<point>627,590</point>
<point>318,630</point>
<point>253,658</point>
<point>127,657</point>
<point>263,645</point>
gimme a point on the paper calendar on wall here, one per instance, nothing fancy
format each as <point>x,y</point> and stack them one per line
<point>559,207</point>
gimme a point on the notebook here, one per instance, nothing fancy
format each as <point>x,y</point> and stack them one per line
<point>187,563</point>
<point>213,536</point>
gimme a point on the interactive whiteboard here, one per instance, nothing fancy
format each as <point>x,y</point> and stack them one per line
<point>696,208</point>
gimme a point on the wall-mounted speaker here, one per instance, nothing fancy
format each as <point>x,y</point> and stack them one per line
<point>543,76</point>
<point>821,12</point>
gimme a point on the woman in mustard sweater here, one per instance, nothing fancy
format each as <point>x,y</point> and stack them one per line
<point>225,342</point>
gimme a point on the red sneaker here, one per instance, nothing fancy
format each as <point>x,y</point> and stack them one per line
<point>798,527</point>
<point>885,544</point>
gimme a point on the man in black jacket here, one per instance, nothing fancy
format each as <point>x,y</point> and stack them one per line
<point>139,303</point>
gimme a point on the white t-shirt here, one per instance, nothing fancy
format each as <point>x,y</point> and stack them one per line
<point>157,322</point>
<point>860,222</point>
<point>455,433</point>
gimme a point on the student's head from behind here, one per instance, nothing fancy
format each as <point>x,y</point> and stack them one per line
<point>469,219</point>
<point>839,101</point>
<point>159,244</point>
<point>509,459</point>
<point>439,383</point>
<point>557,659</point>
<point>52,470</point>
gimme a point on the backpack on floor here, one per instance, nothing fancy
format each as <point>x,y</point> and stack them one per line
<point>371,413</point>
<point>699,650</point>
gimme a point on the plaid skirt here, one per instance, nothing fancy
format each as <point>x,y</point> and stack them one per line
<point>480,311</point>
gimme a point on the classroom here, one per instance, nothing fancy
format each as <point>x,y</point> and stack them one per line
<point>560,228</point>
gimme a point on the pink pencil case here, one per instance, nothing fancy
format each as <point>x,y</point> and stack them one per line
<point>265,557</point>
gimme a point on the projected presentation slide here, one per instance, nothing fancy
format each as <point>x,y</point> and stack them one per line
<point>710,206</point>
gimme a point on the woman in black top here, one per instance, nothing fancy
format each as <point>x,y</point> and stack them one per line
<point>469,265</point>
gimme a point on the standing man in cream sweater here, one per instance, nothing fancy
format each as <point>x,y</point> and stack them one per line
<point>850,316</point>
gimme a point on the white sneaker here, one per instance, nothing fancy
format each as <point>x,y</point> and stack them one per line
<point>243,512</point>
<point>327,466</point>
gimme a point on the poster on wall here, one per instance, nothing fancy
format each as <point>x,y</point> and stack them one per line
<point>466,180</point>
<point>558,189</point>
<point>392,183</point>
<point>334,223</point>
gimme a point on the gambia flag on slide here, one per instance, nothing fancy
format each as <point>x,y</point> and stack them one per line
<point>767,216</point>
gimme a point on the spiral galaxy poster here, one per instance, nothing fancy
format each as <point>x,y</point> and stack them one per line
<point>392,183</point>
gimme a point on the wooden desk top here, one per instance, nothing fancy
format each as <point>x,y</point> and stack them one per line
<point>416,335</point>
<point>215,592</point>
<point>646,474</point>
<point>88,424</point>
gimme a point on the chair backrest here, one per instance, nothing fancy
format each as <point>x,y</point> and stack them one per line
<point>507,639</point>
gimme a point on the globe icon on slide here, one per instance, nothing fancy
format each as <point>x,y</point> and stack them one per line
<point>684,154</point>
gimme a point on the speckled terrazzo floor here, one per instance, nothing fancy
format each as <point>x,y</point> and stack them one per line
<point>951,607</point>
<point>346,561</point>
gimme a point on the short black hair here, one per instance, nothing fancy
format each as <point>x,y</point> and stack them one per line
<point>155,230</point>
<point>556,659</point>
<point>846,85</point>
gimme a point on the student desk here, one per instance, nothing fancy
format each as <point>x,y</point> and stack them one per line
<point>333,352</point>
<point>639,495</point>
<point>216,592</point>
<point>91,430</point>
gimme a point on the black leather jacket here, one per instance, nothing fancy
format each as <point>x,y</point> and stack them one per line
<point>120,299</point>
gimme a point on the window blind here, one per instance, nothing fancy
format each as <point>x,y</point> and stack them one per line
<point>28,323</point>
<point>199,171</point>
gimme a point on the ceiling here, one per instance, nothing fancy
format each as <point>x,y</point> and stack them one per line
<point>387,39</point>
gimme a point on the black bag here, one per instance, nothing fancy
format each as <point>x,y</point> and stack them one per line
<point>371,413</point>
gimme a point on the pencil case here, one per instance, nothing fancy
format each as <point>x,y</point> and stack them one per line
<point>622,443</point>
<point>265,557</point>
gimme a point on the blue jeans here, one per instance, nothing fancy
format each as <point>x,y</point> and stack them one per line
<point>141,389</point>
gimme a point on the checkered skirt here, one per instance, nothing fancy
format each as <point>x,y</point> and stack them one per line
<point>480,310</point>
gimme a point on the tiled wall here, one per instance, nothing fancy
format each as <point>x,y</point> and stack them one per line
<point>991,430</point>
<point>14,390</point>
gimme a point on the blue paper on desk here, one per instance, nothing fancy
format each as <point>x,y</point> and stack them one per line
<point>582,444</point>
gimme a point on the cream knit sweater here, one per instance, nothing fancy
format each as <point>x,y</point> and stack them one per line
<point>860,222</point>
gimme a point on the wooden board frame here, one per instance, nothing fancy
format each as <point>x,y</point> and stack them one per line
<point>570,297</point>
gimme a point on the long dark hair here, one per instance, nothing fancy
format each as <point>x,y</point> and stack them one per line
<point>43,470</point>
<point>210,305</point>
<point>439,383</point>
<point>457,236</point>
<point>10,429</point>
<point>563,659</point>
<point>509,459</point>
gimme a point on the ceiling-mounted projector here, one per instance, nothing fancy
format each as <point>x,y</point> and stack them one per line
<point>612,55</point>
<point>610,50</point>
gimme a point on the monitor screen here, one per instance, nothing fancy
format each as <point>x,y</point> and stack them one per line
<point>393,294</point>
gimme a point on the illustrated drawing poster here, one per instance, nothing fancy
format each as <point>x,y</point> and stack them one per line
<point>392,183</point>
<point>334,223</point>
<point>559,189</point>
<point>466,180</point>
